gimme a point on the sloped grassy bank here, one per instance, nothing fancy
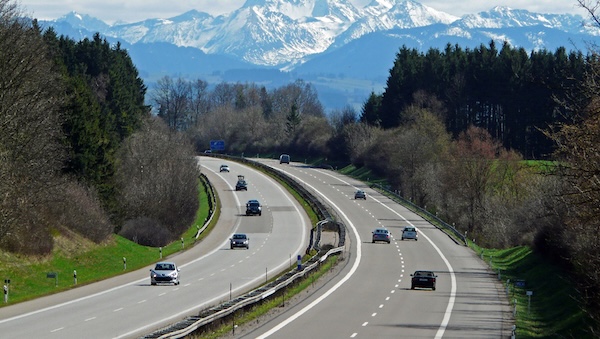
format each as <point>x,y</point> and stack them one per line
<point>92,262</point>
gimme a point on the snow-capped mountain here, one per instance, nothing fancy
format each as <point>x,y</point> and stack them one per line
<point>317,39</point>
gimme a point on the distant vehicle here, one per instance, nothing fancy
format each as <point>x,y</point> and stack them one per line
<point>224,168</point>
<point>253,207</point>
<point>381,234</point>
<point>164,272</point>
<point>241,184</point>
<point>207,151</point>
<point>423,279</point>
<point>284,159</point>
<point>410,232</point>
<point>360,195</point>
<point>239,240</point>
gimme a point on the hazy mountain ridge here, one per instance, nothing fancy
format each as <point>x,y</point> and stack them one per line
<point>316,39</point>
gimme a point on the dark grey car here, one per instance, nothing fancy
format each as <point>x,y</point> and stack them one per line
<point>239,240</point>
<point>381,234</point>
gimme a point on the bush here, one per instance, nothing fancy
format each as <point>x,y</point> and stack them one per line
<point>147,232</point>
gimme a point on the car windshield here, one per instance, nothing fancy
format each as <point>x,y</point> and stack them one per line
<point>239,236</point>
<point>165,267</point>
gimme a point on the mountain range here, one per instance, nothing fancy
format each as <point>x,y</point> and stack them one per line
<point>344,51</point>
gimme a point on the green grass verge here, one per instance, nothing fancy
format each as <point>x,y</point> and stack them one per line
<point>28,276</point>
<point>553,310</point>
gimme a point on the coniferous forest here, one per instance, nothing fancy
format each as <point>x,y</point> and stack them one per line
<point>509,92</point>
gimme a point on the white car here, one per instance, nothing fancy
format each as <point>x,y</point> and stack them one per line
<point>410,232</point>
<point>164,272</point>
<point>224,168</point>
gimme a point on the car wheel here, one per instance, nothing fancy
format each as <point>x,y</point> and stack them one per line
<point>153,284</point>
<point>230,247</point>
<point>373,241</point>
<point>412,287</point>
<point>433,288</point>
<point>259,214</point>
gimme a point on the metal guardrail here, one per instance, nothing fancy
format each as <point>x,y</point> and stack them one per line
<point>191,324</point>
<point>212,204</point>
<point>422,212</point>
<point>195,323</point>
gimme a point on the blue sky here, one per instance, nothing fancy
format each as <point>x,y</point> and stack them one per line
<point>111,11</point>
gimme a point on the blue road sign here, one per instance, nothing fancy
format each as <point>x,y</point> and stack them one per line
<point>217,145</point>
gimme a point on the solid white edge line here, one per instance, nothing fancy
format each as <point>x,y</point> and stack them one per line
<point>332,289</point>
<point>451,300</point>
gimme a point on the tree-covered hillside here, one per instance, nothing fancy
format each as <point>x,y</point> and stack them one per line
<point>70,113</point>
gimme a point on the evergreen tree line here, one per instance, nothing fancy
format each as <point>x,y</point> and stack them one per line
<point>72,115</point>
<point>508,92</point>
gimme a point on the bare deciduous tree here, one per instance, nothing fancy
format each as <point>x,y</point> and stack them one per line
<point>30,131</point>
<point>157,178</point>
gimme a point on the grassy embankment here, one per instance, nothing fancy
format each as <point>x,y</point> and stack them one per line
<point>553,310</point>
<point>93,262</point>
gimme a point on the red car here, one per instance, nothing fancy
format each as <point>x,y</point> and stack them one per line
<point>423,279</point>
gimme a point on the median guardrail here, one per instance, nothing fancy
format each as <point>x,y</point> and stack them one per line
<point>328,217</point>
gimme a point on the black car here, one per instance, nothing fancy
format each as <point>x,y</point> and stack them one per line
<point>239,240</point>
<point>423,279</point>
<point>241,184</point>
<point>360,195</point>
<point>253,207</point>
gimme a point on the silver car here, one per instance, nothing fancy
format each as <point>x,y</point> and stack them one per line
<point>164,272</point>
<point>410,232</point>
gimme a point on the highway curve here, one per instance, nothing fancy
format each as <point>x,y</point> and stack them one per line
<point>371,296</point>
<point>128,307</point>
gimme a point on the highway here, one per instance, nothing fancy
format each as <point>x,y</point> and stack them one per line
<point>128,307</point>
<point>371,296</point>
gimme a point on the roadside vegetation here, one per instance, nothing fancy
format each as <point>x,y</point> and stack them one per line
<point>83,158</point>
<point>92,262</point>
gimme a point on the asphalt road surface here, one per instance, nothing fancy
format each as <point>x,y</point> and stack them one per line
<point>128,306</point>
<point>371,296</point>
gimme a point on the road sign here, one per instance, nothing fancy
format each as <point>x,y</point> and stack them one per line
<point>217,145</point>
